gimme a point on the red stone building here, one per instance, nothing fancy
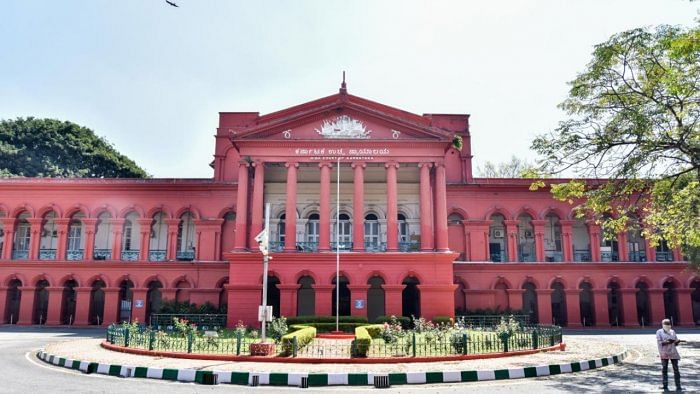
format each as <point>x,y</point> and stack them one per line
<point>418,234</point>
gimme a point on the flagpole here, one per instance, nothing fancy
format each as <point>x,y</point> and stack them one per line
<point>337,248</point>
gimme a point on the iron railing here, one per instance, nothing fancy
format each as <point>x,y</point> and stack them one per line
<point>20,254</point>
<point>156,255</point>
<point>130,255</point>
<point>308,247</point>
<point>102,254</point>
<point>342,246</point>
<point>553,256</point>
<point>375,246</point>
<point>276,246</point>
<point>47,254</point>
<point>186,255</point>
<point>582,255</point>
<point>75,254</point>
<point>411,246</point>
<point>664,256</point>
<point>639,256</point>
<point>486,321</point>
<point>205,321</point>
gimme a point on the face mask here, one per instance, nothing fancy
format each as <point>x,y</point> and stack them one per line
<point>667,327</point>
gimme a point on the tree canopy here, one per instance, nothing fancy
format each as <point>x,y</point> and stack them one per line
<point>634,124</point>
<point>52,148</point>
<point>514,168</point>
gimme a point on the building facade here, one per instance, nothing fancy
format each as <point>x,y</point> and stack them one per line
<point>389,189</point>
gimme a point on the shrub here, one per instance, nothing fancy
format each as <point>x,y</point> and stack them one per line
<point>326,319</point>
<point>443,320</point>
<point>184,327</point>
<point>278,328</point>
<point>374,330</point>
<point>186,307</point>
<point>362,342</point>
<point>403,320</point>
<point>303,334</point>
<point>328,327</point>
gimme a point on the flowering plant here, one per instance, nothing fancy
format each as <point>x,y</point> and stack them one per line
<point>184,327</point>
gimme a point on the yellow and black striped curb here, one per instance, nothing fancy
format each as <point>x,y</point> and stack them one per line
<point>326,379</point>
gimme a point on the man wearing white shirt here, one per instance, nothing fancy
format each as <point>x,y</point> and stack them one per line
<point>667,340</point>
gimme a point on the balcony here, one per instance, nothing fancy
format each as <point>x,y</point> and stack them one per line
<point>20,254</point>
<point>553,256</point>
<point>156,255</point>
<point>639,256</point>
<point>375,246</point>
<point>185,255</point>
<point>344,246</point>
<point>130,255</point>
<point>73,255</point>
<point>276,246</point>
<point>409,247</point>
<point>308,247</point>
<point>497,257</point>
<point>102,254</point>
<point>47,254</point>
<point>582,255</point>
<point>664,255</point>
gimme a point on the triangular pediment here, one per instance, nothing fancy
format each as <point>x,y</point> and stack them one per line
<point>342,117</point>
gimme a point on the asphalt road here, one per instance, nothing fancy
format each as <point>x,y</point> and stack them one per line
<point>21,372</point>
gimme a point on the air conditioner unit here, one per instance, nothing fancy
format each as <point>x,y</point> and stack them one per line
<point>497,233</point>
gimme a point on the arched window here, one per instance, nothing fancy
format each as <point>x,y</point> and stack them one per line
<point>131,238</point>
<point>281,229</point>
<point>403,228</point>
<point>49,237</point>
<point>76,241</point>
<point>186,238</point>
<point>312,233</point>
<point>372,242</point>
<point>20,250</point>
<point>158,244</point>
<point>498,250</point>
<point>663,251</point>
<point>636,245</point>
<point>103,237</point>
<point>552,239</point>
<point>526,239</point>
<point>343,230</point>
<point>581,241</point>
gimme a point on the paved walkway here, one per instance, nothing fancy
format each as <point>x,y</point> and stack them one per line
<point>576,350</point>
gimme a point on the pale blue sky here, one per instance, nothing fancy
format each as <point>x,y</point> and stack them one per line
<point>152,78</point>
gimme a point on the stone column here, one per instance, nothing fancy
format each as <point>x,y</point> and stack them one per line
<point>358,207</point>
<point>538,227</point>
<point>55,303</point>
<point>685,307</point>
<point>441,240</point>
<point>567,240</point>
<point>145,232</point>
<point>677,254</point>
<point>111,306</point>
<point>89,250</point>
<point>117,226</point>
<point>393,300</point>
<point>323,299</point>
<point>324,236</point>
<point>3,305</point>
<point>392,224</point>
<point>622,247</point>
<point>426,218</point>
<point>544,305</point>
<point>602,316</point>
<point>573,307</point>
<point>290,220</point>
<point>173,225</point>
<point>658,310</point>
<point>358,292</point>
<point>257,211</point>
<point>62,242</point>
<point>8,225</point>
<point>35,241</point>
<point>82,306</point>
<point>467,241</point>
<point>26,306</point>
<point>512,239</point>
<point>242,206</point>
<point>288,299</point>
<point>594,239</point>
<point>629,307</point>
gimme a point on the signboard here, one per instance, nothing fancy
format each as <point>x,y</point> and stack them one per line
<point>138,303</point>
<point>359,304</point>
<point>265,314</point>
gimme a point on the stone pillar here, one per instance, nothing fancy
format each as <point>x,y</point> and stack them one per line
<point>429,293</point>
<point>392,224</point>
<point>658,311</point>
<point>145,232</point>
<point>290,220</point>
<point>393,300</point>
<point>467,241</point>
<point>55,303</point>
<point>139,314</point>
<point>324,236</point>
<point>82,306</point>
<point>538,227</point>
<point>257,210</point>
<point>288,299</point>
<point>89,250</point>
<point>677,254</point>
<point>358,292</point>
<point>26,307</point>
<point>242,206</point>
<point>117,226</point>
<point>544,305</point>
<point>629,307</point>
<point>3,305</point>
<point>8,227</point>
<point>441,240</point>
<point>62,242</point>
<point>323,299</point>
<point>622,247</point>
<point>34,242</point>
<point>515,298</point>
<point>594,239</point>
<point>512,239</point>
<point>173,225</point>
<point>573,308</point>
<point>243,302</point>
<point>685,307</point>
<point>600,297</point>
<point>426,218</point>
<point>111,306</point>
<point>358,208</point>
<point>650,251</point>
<point>567,240</point>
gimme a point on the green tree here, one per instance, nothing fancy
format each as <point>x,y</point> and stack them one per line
<point>52,148</point>
<point>634,125</point>
<point>514,168</point>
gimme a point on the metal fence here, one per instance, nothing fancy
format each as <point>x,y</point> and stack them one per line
<point>490,320</point>
<point>205,321</point>
<point>411,344</point>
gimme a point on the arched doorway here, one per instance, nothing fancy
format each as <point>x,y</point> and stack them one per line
<point>306,297</point>
<point>671,302</point>
<point>460,297</point>
<point>344,300</point>
<point>615,305</point>
<point>273,295</point>
<point>410,297</point>
<point>375,298</point>
<point>643,306</point>
<point>558,304</point>
<point>68,300</point>
<point>13,301</point>
<point>97,303</point>
<point>695,300</point>
<point>126,296</point>
<point>530,302</point>
<point>41,302</point>
<point>586,304</point>
<point>154,298</point>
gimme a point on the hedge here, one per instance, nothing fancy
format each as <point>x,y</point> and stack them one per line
<point>374,330</point>
<point>303,334</point>
<point>328,327</point>
<point>362,342</point>
<point>325,319</point>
